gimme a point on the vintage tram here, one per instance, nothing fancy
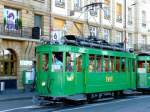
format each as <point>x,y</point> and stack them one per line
<point>143,72</point>
<point>85,67</point>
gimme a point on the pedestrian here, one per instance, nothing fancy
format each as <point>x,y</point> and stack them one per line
<point>33,75</point>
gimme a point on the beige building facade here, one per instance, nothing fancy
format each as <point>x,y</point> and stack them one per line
<point>17,40</point>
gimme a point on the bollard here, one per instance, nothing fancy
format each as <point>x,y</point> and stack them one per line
<point>2,85</point>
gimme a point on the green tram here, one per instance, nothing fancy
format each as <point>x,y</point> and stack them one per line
<point>67,70</point>
<point>143,72</point>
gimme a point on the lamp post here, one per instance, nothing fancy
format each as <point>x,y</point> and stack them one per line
<point>125,22</point>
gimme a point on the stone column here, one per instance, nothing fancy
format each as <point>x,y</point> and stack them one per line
<point>27,18</point>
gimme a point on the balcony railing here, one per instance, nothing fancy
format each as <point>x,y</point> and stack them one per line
<point>60,4</point>
<point>25,32</point>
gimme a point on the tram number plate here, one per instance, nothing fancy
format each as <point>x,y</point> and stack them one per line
<point>109,79</point>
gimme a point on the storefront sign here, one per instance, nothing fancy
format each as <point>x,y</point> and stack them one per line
<point>25,63</point>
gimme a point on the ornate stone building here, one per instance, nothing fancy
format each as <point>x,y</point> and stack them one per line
<point>22,22</point>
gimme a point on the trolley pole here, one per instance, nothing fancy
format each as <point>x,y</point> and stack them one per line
<point>125,25</point>
<point>100,21</point>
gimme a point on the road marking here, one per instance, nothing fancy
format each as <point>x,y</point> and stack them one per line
<point>93,105</point>
<point>26,107</point>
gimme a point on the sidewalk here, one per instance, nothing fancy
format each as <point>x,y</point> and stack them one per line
<point>15,95</point>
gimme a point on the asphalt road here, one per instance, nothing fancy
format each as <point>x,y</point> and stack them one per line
<point>129,104</point>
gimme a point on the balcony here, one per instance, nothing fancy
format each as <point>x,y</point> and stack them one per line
<point>129,22</point>
<point>144,25</point>
<point>93,13</point>
<point>77,7</point>
<point>107,17</point>
<point>24,32</point>
<point>60,4</point>
<point>119,19</point>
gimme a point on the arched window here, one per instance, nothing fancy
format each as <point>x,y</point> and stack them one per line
<point>8,65</point>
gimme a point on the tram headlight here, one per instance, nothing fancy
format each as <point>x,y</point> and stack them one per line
<point>43,83</point>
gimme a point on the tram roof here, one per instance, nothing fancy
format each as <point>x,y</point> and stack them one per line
<point>78,49</point>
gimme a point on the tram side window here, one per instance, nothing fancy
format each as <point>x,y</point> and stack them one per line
<point>123,65</point>
<point>129,65</point>
<point>79,62</point>
<point>148,66</point>
<point>57,62</point>
<point>92,63</point>
<point>106,63</point>
<point>141,64</point>
<point>69,62</point>
<point>38,63</point>
<point>45,60</point>
<point>134,65</point>
<point>117,64</point>
<point>144,65</point>
<point>112,64</point>
<point>99,64</point>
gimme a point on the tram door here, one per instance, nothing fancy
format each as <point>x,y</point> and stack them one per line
<point>41,71</point>
<point>74,73</point>
<point>132,75</point>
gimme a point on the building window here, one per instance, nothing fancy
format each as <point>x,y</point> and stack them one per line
<point>119,13</point>
<point>107,34</point>
<point>119,36</point>
<point>42,1</point>
<point>107,9</point>
<point>143,39</point>
<point>129,16</point>
<point>60,3</point>
<point>93,31</point>
<point>12,19</point>
<point>130,40</point>
<point>8,65</point>
<point>93,10</point>
<point>38,23</point>
<point>77,5</point>
<point>143,19</point>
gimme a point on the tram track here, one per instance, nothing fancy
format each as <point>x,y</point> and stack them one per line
<point>50,107</point>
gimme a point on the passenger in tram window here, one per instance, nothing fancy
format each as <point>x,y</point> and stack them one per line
<point>69,63</point>
<point>57,65</point>
<point>118,65</point>
<point>148,67</point>
<point>123,65</point>
<point>45,61</point>
<point>99,64</point>
<point>91,66</point>
<point>79,63</point>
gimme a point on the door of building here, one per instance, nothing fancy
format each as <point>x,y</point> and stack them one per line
<point>8,68</point>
